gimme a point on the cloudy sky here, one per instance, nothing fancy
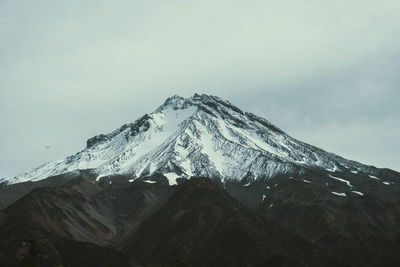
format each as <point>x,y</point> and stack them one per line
<point>326,72</point>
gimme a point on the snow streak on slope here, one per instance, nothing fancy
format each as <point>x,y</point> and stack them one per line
<point>201,135</point>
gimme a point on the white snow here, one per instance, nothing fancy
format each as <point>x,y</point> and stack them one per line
<point>339,194</point>
<point>179,134</point>
<point>186,167</point>
<point>358,192</point>
<point>254,141</point>
<point>263,198</point>
<point>246,184</point>
<point>373,177</point>
<point>150,182</point>
<point>334,169</point>
<point>100,176</point>
<point>386,183</point>
<point>171,178</point>
<point>271,205</point>
<point>306,181</point>
<point>211,151</point>
<point>168,121</point>
<point>340,179</point>
<point>131,180</point>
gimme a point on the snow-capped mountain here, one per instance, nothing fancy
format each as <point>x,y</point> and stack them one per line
<point>201,135</point>
<point>280,200</point>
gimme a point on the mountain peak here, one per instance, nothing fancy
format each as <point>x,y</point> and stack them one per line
<point>202,135</point>
<point>178,102</point>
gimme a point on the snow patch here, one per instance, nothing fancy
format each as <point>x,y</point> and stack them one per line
<point>334,169</point>
<point>171,178</point>
<point>358,192</point>
<point>186,167</point>
<point>340,179</point>
<point>211,151</point>
<point>255,141</point>
<point>373,177</point>
<point>339,194</point>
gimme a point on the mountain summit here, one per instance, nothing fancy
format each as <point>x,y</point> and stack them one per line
<point>202,135</point>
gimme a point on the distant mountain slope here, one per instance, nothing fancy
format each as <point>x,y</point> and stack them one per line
<point>201,135</point>
<point>78,222</point>
<point>80,209</point>
<point>22,243</point>
<point>289,221</point>
<point>201,225</point>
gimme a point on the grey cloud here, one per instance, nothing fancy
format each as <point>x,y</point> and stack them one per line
<point>324,71</point>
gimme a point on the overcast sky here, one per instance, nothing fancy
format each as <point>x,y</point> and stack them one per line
<point>326,72</point>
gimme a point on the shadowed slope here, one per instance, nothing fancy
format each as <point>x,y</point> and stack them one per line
<point>202,225</point>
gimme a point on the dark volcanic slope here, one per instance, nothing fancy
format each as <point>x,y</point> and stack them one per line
<point>356,219</point>
<point>203,226</point>
<point>62,220</point>
<point>86,211</point>
<point>361,230</point>
<point>11,193</point>
<point>291,220</point>
<point>49,250</point>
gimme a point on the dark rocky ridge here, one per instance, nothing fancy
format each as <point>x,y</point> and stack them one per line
<point>198,223</point>
<point>202,225</point>
<point>80,223</point>
<point>361,230</point>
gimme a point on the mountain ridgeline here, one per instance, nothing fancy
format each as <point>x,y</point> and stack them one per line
<point>199,182</point>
